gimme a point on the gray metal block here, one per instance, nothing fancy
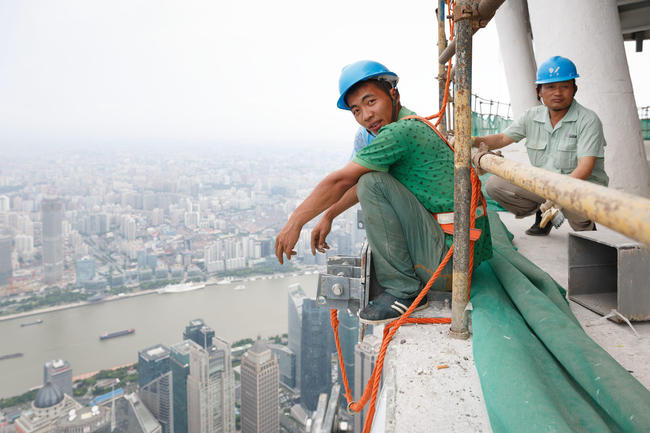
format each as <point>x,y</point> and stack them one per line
<point>609,271</point>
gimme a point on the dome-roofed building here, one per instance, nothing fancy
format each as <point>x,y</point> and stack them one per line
<point>48,396</point>
<point>54,411</point>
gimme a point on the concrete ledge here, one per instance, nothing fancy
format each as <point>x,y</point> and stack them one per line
<point>420,397</point>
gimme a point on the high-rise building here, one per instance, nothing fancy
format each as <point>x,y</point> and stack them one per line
<point>152,363</point>
<point>210,389</point>
<point>157,217</point>
<point>180,368</point>
<point>155,384</point>
<point>6,243</point>
<point>316,343</point>
<point>133,417</point>
<point>199,333</point>
<point>85,268</point>
<point>348,337</point>
<point>287,364</point>
<point>296,297</point>
<point>24,245</point>
<point>365,357</point>
<point>5,203</point>
<point>59,372</point>
<point>52,216</point>
<point>259,390</point>
<point>128,228</point>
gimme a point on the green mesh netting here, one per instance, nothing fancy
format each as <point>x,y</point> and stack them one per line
<point>486,124</point>
<point>645,129</point>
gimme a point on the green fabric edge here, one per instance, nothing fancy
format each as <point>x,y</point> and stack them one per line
<point>538,369</point>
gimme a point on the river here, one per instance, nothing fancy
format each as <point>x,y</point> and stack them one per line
<point>73,334</point>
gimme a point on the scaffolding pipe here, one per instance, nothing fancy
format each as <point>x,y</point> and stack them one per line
<point>625,213</point>
<point>442,68</point>
<point>484,13</point>
<point>462,180</point>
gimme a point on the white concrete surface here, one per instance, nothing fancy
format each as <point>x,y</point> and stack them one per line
<point>430,381</point>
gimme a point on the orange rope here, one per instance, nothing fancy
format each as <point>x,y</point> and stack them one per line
<point>440,114</point>
<point>372,387</point>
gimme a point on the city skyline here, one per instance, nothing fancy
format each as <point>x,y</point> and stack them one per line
<point>129,222</point>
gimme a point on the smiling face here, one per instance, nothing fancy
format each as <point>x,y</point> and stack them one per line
<point>557,96</point>
<point>371,106</point>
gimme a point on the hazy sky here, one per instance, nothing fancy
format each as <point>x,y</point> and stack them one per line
<point>100,73</point>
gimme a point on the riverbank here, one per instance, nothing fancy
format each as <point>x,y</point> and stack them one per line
<point>75,305</point>
<point>305,271</point>
<point>73,334</point>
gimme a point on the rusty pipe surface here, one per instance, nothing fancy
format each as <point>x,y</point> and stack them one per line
<point>485,10</point>
<point>462,180</point>
<point>442,68</point>
<point>625,213</point>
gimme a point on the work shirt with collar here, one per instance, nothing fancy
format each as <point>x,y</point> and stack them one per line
<point>416,156</point>
<point>578,134</point>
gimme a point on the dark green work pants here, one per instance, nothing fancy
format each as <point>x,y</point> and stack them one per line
<point>406,241</point>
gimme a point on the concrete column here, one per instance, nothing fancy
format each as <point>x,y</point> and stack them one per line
<point>516,46</point>
<point>589,33</point>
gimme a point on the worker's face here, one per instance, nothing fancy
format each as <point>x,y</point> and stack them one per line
<point>557,96</point>
<point>371,106</point>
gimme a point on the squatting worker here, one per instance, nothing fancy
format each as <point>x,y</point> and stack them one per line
<point>402,177</point>
<point>562,136</point>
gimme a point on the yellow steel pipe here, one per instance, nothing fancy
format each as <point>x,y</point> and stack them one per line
<point>625,213</point>
<point>462,180</point>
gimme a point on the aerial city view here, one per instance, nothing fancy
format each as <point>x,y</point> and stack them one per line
<point>223,217</point>
<point>111,261</point>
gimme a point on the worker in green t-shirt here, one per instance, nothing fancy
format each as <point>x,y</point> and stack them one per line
<point>404,180</point>
<point>561,136</point>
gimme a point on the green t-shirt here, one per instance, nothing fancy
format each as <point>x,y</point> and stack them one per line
<point>416,156</point>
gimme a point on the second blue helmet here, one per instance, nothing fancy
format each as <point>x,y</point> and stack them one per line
<point>556,69</point>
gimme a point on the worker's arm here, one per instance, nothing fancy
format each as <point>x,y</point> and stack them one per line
<point>324,226</point>
<point>585,167</point>
<point>495,141</point>
<point>327,192</point>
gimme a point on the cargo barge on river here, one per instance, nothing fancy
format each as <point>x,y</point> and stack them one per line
<point>108,335</point>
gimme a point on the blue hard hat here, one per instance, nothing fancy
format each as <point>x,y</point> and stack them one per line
<point>556,69</point>
<point>360,71</point>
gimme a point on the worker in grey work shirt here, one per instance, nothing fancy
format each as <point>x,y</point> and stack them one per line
<point>562,136</point>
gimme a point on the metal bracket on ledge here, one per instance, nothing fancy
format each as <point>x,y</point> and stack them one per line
<point>343,287</point>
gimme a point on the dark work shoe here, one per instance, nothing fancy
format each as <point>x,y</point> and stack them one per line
<point>536,230</point>
<point>386,308</point>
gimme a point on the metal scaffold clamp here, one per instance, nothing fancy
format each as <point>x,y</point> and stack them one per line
<point>343,286</point>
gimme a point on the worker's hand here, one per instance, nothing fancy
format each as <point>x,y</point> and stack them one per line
<point>550,211</point>
<point>547,205</point>
<point>286,240</point>
<point>483,149</point>
<point>319,235</point>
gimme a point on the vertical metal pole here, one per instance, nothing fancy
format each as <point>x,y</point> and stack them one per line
<point>442,67</point>
<point>462,182</point>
